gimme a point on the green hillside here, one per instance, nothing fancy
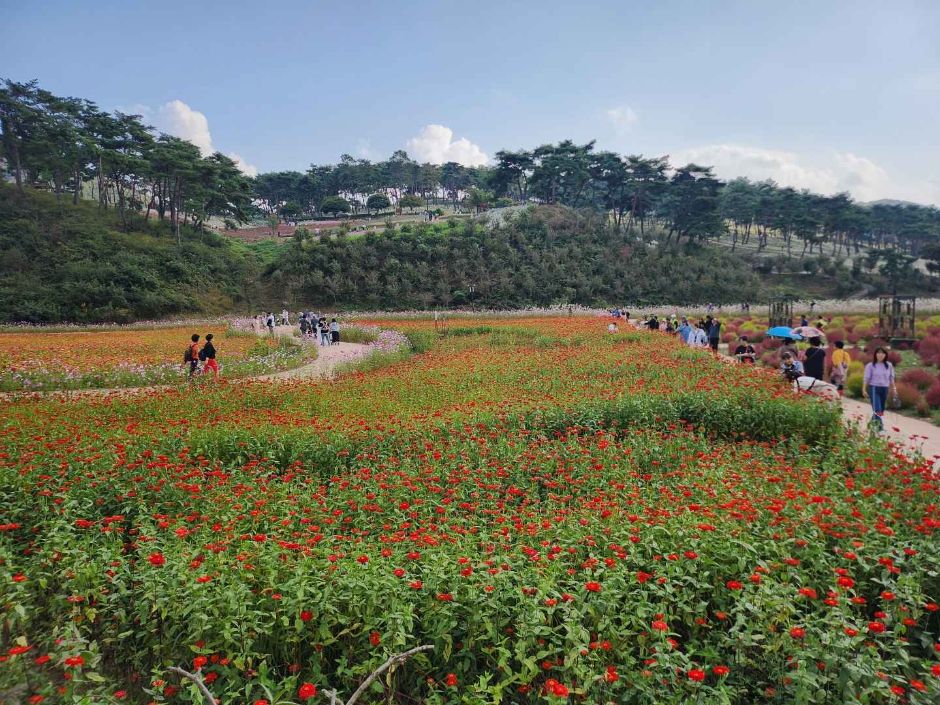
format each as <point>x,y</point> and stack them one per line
<point>64,262</point>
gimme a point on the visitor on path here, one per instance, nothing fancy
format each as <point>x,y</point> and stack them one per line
<point>791,368</point>
<point>192,355</point>
<point>684,330</point>
<point>208,355</point>
<point>714,334</point>
<point>303,325</point>
<point>804,321</point>
<point>814,359</point>
<point>840,366</point>
<point>270,323</point>
<point>285,317</point>
<point>697,337</point>
<point>879,380</point>
<point>324,332</point>
<point>745,352</point>
<point>334,332</point>
<point>611,327</point>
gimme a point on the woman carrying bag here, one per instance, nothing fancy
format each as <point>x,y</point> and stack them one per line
<point>879,380</point>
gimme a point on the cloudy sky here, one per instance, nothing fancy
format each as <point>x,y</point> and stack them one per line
<point>828,95</point>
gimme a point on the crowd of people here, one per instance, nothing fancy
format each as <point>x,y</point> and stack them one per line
<point>313,327</point>
<point>805,367</point>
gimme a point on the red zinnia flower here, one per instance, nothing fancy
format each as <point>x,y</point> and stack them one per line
<point>199,662</point>
<point>74,661</point>
<point>696,675</point>
<point>876,627</point>
<point>733,585</point>
<point>375,638</point>
<point>593,586</point>
<point>720,670</point>
<point>156,559</point>
<point>797,632</point>
<point>451,679</point>
<point>306,615</point>
<point>306,690</point>
<point>660,625</point>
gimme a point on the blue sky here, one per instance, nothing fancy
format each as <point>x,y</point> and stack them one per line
<point>824,95</point>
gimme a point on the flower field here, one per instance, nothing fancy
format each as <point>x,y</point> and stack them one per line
<point>40,361</point>
<point>564,515</point>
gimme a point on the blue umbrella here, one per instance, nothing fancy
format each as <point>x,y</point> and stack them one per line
<point>783,332</point>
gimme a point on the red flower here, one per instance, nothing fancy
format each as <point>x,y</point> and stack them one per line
<point>611,675</point>
<point>199,662</point>
<point>203,578</point>
<point>306,690</point>
<point>720,670</point>
<point>72,661</point>
<point>40,660</point>
<point>808,592</point>
<point>935,670</point>
<point>156,559</point>
<point>642,577</point>
<point>261,702</point>
<point>876,627</point>
<point>306,615</point>
<point>733,585</point>
<point>660,625</point>
<point>850,632</point>
<point>697,675</point>
<point>845,582</point>
<point>375,638</point>
<point>451,679</point>
<point>797,632</point>
<point>592,586</point>
<point>399,572</point>
<point>416,585</point>
<point>445,597</point>
<point>18,578</point>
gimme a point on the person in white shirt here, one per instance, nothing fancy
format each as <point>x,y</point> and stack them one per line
<point>698,338</point>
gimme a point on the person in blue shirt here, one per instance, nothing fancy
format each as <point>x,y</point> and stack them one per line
<point>684,329</point>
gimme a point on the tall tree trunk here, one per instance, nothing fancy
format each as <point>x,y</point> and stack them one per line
<point>78,185</point>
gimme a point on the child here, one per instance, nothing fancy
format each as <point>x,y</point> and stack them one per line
<point>192,355</point>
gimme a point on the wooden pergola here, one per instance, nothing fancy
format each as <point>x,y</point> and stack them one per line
<point>896,318</point>
<point>781,312</point>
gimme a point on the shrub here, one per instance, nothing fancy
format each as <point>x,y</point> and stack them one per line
<point>908,395</point>
<point>932,395</point>
<point>854,384</point>
<point>929,350</point>
<point>919,378</point>
<point>834,334</point>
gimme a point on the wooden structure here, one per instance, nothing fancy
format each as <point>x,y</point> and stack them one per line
<point>896,315</point>
<point>781,312</point>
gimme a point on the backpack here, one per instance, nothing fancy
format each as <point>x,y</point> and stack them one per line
<point>202,354</point>
<point>188,355</point>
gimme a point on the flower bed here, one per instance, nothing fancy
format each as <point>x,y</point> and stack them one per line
<point>561,513</point>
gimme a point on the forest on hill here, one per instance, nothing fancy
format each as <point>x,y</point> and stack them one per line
<point>119,216</point>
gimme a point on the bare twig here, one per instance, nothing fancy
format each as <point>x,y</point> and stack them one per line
<point>195,678</point>
<point>397,658</point>
<point>332,694</point>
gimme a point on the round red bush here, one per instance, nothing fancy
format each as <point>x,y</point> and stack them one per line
<point>933,395</point>
<point>909,395</point>
<point>919,378</point>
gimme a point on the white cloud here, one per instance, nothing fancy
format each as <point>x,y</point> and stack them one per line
<point>828,174</point>
<point>436,144</point>
<point>178,119</point>
<point>623,117</point>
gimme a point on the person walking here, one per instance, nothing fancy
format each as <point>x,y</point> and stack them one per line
<point>714,334</point>
<point>324,332</point>
<point>334,332</point>
<point>270,323</point>
<point>684,330</point>
<point>208,354</point>
<point>840,365</point>
<point>192,355</point>
<point>879,380</point>
<point>698,337</point>
<point>814,359</point>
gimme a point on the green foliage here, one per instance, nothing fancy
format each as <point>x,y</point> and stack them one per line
<point>378,202</point>
<point>543,256</point>
<point>60,262</point>
<point>335,204</point>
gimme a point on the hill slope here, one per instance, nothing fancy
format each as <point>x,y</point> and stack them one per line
<point>60,262</point>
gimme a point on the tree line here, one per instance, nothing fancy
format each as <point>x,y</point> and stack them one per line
<point>71,146</point>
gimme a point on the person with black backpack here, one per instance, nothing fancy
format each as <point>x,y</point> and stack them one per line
<point>192,354</point>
